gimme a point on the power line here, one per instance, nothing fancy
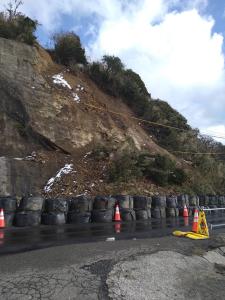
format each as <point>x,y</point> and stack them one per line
<point>154,123</point>
<point>146,121</point>
<point>197,153</point>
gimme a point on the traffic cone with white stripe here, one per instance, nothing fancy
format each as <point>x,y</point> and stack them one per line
<point>195,222</point>
<point>185,211</point>
<point>117,217</point>
<point>2,219</point>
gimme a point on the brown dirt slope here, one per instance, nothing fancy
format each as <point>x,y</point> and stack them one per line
<point>41,117</point>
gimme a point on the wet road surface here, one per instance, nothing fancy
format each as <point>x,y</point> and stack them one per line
<point>15,240</point>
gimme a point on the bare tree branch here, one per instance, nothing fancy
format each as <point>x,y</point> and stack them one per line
<point>12,8</point>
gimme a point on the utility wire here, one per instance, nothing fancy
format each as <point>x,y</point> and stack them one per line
<point>157,124</point>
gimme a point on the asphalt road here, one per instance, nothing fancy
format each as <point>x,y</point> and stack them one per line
<point>156,268</point>
<point>16,240</point>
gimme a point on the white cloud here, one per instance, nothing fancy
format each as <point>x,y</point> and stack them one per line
<point>218,131</point>
<point>170,43</point>
<point>178,56</point>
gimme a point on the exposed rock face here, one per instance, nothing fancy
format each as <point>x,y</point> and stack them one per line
<point>36,115</point>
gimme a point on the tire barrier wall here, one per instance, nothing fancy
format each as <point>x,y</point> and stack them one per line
<point>33,211</point>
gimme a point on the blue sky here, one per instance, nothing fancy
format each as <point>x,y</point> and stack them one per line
<point>177,46</point>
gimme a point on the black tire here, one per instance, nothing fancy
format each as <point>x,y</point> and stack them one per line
<point>159,213</point>
<point>213,200</point>
<point>183,200</point>
<point>194,201</point>
<point>171,202</point>
<point>9,219</point>
<point>127,214</point>
<point>142,202</point>
<point>124,201</point>
<point>75,218</point>
<point>31,203</point>
<point>156,214</point>
<point>81,204</point>
<point>201,200</point>
<point>221,201</point>
<point>56,205</point>
<point>214,212</point>
<point>102,216</point>
<point>159,201</point>
<point>143,214</point>
<point>27,218</point>
<point>9,204</point>
<point>53,218</point>
<point>206,202</point>
<point>208,212</point>
<point>172,212</point>
<point>102,202</point>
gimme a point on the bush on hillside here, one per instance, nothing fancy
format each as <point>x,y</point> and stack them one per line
<point>177,176</point>
<point>16,26</point>
<point>125,168</point>
<point>111,76</point>
<point>160,169</point>
<point>68,49</point>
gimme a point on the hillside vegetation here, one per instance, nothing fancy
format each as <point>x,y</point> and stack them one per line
<point>170,160</point>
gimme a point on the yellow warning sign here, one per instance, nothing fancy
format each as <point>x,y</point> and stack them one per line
<point>202,231</point>
<point>202,224</point>
<point>190,235</point>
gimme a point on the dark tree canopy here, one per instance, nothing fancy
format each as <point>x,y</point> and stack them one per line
<point>68,49</point>
<point>14,25</point>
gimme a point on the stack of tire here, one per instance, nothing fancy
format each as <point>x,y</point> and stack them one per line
<point>142,207</point>
<point>103,209</point>
<point>172,207</point>
<point>193,202</point>
<point>29,211</point>
<point>55,211</point>
<point>221,204</point>
<point>159,207</point>
<point>213,203</point>
<point>182,201</point>
<point>80,210</point>
<point>126,206</point>
<point>9,205</point>
<point>204,202</point>
<point>221,201</point>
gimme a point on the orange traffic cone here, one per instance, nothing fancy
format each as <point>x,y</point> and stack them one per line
<point>117,217</point>
<point>185,211</point>
<point>195,221</point>
<point>2,219</point>
<point>117,227</point>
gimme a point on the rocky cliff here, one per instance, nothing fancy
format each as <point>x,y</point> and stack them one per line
<point>50,117</point>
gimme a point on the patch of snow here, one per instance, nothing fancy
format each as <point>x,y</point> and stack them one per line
<point>33,87</point>
<point>76,98</point>
<point>18,158</point>
<point>87,154</point>
<point>58,79</point>
<point>79,88</point>
<point>67,169</point>
<point>80,195</point>
<point>92,185</point>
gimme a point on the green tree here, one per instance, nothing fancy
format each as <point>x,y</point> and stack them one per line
<point>14,25</point>
<point>113,64</point>
<point>68,49</point>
